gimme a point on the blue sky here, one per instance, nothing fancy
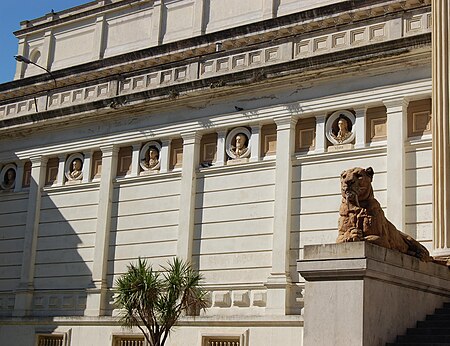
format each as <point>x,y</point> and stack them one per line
<point>12,12</point>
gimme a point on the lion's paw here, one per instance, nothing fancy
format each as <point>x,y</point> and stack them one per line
<point>356,235</point>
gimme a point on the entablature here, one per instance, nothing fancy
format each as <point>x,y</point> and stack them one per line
<point>401,30</point>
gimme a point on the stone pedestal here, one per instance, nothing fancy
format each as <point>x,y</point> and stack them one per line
<point>362,294</point>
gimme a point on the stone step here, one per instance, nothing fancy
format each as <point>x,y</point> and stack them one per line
<point>442,311</point>
<point>440,317</point>
<point>428,331</point>
<point>433,324</point>
<point>424,338</point>
<point>418,344</point>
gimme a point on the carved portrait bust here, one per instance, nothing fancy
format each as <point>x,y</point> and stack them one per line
<point>339,127</point>
<point>240,146</point>
<point>74,168</point>
<point>149,156</point>
<point>8,177</point>
<point>238,143</point>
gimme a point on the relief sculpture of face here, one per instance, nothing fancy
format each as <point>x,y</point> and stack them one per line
<point>240,141</point>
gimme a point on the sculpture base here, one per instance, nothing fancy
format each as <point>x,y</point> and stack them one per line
<point>237,161</point>
<point>340,147</point>
<point>149,172</point>
<point>362,294</point>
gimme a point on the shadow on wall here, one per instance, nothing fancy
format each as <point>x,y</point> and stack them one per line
<point>60,268</point>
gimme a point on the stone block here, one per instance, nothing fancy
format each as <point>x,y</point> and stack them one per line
<point>366,294</point>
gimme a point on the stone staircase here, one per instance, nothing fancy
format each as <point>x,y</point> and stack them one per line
<point>434,331</point>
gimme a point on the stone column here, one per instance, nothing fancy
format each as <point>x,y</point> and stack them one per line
<point>96,299</point>
<point>221,136</point>
<point>255,143</point>
<point>279,282</point>
<point>441,128</point>
<point>24,293</point>
<point>321,140</point>
<point>360,127</point>
<point>395,160</point>
<point>191,154</point>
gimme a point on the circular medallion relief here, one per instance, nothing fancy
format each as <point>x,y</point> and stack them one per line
<point>149,156</point>
<point>339,127</point>
<point>238,143</point>
<point>74,167</point>
<point>8,177</point>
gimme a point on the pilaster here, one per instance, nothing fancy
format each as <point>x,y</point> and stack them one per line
<point>20,66</point>
<point>255,143</point>
<point>61,164</point>
<point>321,141</point>
<point>135,160</point>
<point>191,154</point>
<point>164,156</point>
<point>360,127</point>
<point>441,127</point>
<point>87,166</point>
<point>269,8</point>
<point>96,299</point>
<point>199,18</point>
<point>19,175</point>
<point>98,45</point>
<point>279,282</point>
<point>157,22</point>
<point>47,50</point>
<point>24,292</point>
<point>395,162</point>
<point>221,136</point>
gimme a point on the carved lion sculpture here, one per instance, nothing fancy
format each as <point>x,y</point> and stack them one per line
<point>361,217</point>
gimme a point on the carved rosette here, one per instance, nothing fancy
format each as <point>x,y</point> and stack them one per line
<point>149,157</point>
<point>238,151</point>
<point>74,168</point>
<point>339,127</point>
<point>8,177</point>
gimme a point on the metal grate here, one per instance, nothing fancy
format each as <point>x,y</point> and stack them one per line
<point>129,341</point>
<point>50,340</point>
<point>223,342</point>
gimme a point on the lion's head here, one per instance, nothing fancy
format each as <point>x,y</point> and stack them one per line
<point>356,184</point>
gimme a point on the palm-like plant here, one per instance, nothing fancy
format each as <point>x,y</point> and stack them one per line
<point>155,301</point>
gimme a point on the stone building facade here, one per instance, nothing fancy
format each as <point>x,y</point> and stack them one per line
<point>211,130</point>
